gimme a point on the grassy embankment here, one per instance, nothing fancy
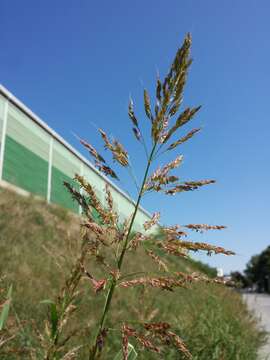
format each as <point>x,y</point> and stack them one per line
<point>39,243</point>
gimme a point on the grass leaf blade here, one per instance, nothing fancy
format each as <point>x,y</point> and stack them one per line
<point>5,309</point>
<point>132,354</point>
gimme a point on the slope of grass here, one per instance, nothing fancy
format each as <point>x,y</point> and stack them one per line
<point>38,245</point>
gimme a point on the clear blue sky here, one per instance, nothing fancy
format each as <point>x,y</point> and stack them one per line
<point>75,63</point>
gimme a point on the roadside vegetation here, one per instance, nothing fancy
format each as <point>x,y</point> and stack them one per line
<point>38,244</point>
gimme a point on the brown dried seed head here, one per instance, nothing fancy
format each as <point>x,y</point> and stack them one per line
<point>143,340</point>
<point>195,246</point>
<point>173,164</point>
<point>106,170</point>
<point>109,197</point>
<point>157,327</point>
<point>173,232</point>
<point>147,106</point>
<point>182,119</point>
<point>87,187</point>
<point>92,151</point>
<point>136,240</point>
<point>161,264</point>
<point>204,227</point>
<point>97,229</point>
<point>188,186</point>
<point>99,285</point>
<point>179,344</point>
<point>115,274</point>
<point>165,283</point>
<point>124,342</point>
<point>158,90</point>
<point>119,153</point>
<point>117,149</point>
<point>174,250</point>
<point>193,277</point>
<point>131,114</point>
<point>183,139</point>
<point>146,343</point>
<point>164,131</point>
<point>154,220</point>
<point>199,183</point>
<point>160,176</point>
<point>108,217</point>
<point>105,139</point>
<point>76,195</point>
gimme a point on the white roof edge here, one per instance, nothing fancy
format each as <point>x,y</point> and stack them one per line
<point>4,91</point>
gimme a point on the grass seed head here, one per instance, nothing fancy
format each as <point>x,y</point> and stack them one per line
<point>153,221</point>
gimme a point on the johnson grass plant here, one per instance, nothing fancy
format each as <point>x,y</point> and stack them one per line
<point>166,120</point>
<point>137,309</point>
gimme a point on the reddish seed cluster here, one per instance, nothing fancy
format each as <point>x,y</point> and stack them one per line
<point>77,196</point>
<point>195,246</point>
<point>183,139</point>
<point>188,186</point>
<point>179,344</point>
<point>159,326</point>
<point>93,152</point>
<point>100,162</point>
<point>136,240</point>
<point>161,177</point>
<point>117,149</point>
<point>161,331</point>
<point>97,285</point>
<point>106,170</point>
<point>173,232</point>
<point>142,339</point>
<point>195,277</point>
<point>165,283</point>
<point>204,227</point>
<point>183,118</point>
<point>154,220</point>
<point>115,273</point>
<point>161,264</point>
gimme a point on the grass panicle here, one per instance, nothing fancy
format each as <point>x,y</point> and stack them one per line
<point>169,96</point>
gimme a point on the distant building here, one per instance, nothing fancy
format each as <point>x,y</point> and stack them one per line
<point>220,272</point>
<point>35,159</point>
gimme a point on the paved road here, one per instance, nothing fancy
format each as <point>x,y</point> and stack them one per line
<point>260,305</point>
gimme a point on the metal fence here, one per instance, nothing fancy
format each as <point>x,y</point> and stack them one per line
<point>35,158</point>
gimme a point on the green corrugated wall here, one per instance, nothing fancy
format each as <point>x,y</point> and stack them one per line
<point>26,165</point>
<point>25,169</point>
<point>59,194</point>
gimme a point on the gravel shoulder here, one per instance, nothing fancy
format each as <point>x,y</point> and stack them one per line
<point>260,305</point>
